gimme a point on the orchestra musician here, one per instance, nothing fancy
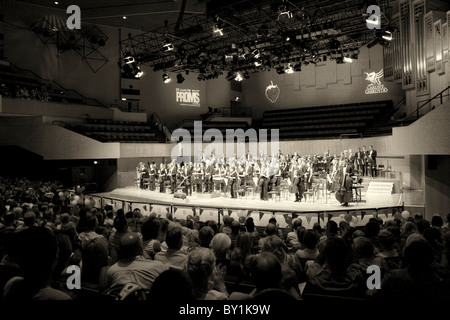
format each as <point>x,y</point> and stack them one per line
<point>217,178</point>
<point>187,176</point>
<point>144,174</point>
<point>209,176</point>
<point>232,180</point>
<point>173,176</point>
<point>372,159</point>
<point>275,179</point>
<point>309,172</point>
<point>162,176</point>
<point>297,185</point>
<point>263,182</point>
<point>249,174</point>
<point>345,182</point>
<point>366,161</point>
<point>197,174</point>
<point>241,175</point>
<point>359,160</point>
<point>152,176</point>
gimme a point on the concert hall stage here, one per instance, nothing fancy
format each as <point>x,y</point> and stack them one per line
<point>211,206</point>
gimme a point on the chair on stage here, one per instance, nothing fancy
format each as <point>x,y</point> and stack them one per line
<point>250,191</point>
<point>146,183</point>
<point>242,192</point>
<point>309,194</point>
<point>273,194</point>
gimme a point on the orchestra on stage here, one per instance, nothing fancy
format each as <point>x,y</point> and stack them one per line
<point>337,173</point>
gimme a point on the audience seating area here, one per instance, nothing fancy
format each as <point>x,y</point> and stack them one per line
<point>52,213</point>
<point>120,131</point>
<point>24,84</point>
<point>364,119</point>
<point>222,126</point>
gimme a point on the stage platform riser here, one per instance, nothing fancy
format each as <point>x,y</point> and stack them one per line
<point>210,206</point>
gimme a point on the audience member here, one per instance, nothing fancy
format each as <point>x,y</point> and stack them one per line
<point>174,257</point>
<point>150,233</point>
<point>205,236</point>
<point>220,245</point>
<point>121,227</point>
<point>418,280</point>
<point>94,262</point>
<point>172,286</point>
<point>37,251</point>
<point>132,266</point>
<point>334,277</point>
<point>207,279</point>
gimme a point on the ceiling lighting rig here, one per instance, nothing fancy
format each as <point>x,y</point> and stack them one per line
<point>243,37</point>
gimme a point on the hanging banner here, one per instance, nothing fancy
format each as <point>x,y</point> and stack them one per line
<point>209,214</point>
<point>375,86</point>
<point>160,210</point>
<point>181,213</point>
<point>237,214</point>
<point>145,208</point>
<point>188,97</point>
<point>117,204</point>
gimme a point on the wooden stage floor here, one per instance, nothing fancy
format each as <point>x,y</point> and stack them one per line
<point>153,201</point>
<point>319,203</point>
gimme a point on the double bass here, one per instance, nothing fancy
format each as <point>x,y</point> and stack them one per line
<point>344,194</point>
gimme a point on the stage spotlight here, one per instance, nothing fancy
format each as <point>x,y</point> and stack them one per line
<point>180,78</point>
<point>128,58</point>
<point>166,78</point>
<point>168,46</point>
<point>347,59</point>
<point>387,35</point>
<point>217,31</point>
<point>138,72</point>
<point>238,77</point>
<point>289,69</point>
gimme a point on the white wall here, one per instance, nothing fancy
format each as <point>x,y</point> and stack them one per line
<point>53,142</point>
<point>428,135</point>
<point>326,83</point>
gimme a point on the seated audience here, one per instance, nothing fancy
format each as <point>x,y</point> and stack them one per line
<point>94,262</point>
<point>121,227</point>
<point>172,286</point>
<point>132,266</point>
<point>307,255</point>
<point>334,276</point>
<point>174,256</point>
<point>419,279</point>
<point>37,251</point>
<point>205,235</point>
<point>207,279</point>
<point>150,233</point>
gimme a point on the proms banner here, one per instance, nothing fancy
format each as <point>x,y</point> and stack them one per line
<point>188,97</point>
